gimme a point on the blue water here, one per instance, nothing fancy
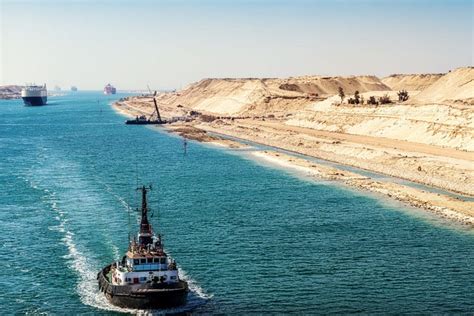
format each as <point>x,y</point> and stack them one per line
<point>249,239</point>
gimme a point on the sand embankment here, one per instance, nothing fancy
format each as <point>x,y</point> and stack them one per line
<point>456,86</point>
<point>431,124</point>
<point>410,82</point>
<point>428,143</point>
<point>449,173</point>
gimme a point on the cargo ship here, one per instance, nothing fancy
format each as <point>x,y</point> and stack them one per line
<point>109,89</point>
<point>33,95</point>
<point>74,88</point>
<point>146,277</point>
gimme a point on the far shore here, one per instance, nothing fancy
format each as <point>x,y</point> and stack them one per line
<point>442,205</point>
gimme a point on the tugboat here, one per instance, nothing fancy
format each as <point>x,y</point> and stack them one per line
<point>145,278</point>
<point>143,120</point>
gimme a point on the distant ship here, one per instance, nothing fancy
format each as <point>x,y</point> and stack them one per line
<point>73,88</point>
<point>109,89</point>
<point>145,277</point>
<point>34,95</point>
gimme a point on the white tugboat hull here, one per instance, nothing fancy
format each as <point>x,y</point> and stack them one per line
<point>143,296</point>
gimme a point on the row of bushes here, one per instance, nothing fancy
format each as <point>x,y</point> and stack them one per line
<point>385,99</point>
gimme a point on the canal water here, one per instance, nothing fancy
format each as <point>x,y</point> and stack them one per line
<point>249,238</point>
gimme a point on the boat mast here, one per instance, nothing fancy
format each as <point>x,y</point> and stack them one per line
<point>144,224</point>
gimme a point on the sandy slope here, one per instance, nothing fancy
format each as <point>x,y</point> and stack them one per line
<point>410,82</point>
<point>389,143</point>
<point>432,124</point>
<point>455,86</point>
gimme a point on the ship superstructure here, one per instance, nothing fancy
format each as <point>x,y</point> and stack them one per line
<point>145,277</point>
<point>34,95</point>
<point>109,89</point>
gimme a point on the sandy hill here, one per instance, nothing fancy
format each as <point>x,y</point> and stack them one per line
<point>455,86</point>
<point>265,96</point>
<point>410,82</point>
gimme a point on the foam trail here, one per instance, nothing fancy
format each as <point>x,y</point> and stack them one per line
<point>109,189</point>
<point>87,287</point>
<point>193,286</point>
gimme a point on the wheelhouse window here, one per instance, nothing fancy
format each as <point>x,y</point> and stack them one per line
<point>156,260</point>
<point>150,260</point>
<point>136,261</point>
<point>143,260</point>
<point>163,260</point>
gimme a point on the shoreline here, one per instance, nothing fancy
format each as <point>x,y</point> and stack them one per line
<point>442,205</point>
<point>360,170</point>
<point>445,173</point>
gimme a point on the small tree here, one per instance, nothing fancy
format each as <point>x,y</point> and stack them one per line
<point>362,100</point>
<point>357,97</point>
<point>341,94</point>
<point>402,95</point>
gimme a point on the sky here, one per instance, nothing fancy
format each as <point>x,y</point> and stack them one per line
<point>169,44</point>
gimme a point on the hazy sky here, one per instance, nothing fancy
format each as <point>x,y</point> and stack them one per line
<point>168,44</point>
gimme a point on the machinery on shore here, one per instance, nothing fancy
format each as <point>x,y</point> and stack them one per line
<point>143,120</point>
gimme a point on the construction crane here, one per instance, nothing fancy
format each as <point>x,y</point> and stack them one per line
<point>158,116</point>
<point>142,120</point>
